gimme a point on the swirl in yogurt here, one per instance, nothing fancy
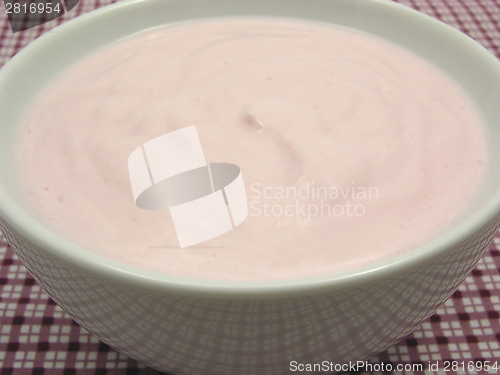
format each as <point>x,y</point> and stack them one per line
<point>313,115</point>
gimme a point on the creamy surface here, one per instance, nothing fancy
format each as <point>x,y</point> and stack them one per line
<point>386,147</point>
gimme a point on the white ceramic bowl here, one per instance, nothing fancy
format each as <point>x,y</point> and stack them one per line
<point>190,326</point>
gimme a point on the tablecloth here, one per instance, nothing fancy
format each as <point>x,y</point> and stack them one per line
<point>37,337</point>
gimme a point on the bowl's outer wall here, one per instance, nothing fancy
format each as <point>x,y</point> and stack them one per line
<point>186,335</point>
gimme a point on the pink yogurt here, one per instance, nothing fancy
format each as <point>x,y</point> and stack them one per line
<point>352,150</point>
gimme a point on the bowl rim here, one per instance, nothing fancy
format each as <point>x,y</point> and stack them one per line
<point>88,262</point>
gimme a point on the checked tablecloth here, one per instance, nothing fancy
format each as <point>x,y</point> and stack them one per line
<point>37,337</point>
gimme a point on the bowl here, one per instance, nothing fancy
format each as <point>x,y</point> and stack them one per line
<point>193,326</point>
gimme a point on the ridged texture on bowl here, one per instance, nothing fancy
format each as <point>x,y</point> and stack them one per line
<point>208,335</point>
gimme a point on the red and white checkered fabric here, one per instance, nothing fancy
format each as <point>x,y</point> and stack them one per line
<point>37,337</point>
